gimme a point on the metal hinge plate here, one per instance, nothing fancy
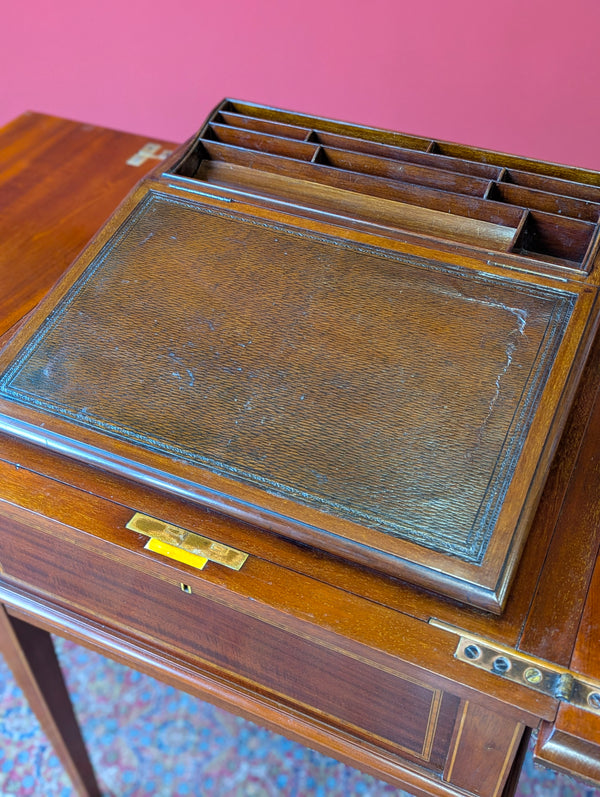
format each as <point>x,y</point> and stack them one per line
<point>149,151</point>
<point>536,674</point>
<point>184,545</point>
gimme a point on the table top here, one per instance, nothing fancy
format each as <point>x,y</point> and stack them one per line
<point>550,613</point>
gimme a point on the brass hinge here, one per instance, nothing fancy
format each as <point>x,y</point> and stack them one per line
<point>184,545</point>
<point>537,674</point>
<point>149,151</point>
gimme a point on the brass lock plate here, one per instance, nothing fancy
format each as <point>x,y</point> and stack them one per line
<point>186,541</point>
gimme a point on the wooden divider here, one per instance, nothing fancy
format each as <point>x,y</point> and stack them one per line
<point>501,202</point>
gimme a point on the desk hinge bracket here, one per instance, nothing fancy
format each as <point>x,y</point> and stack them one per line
<point>512,665</point>
<point>149,151</point>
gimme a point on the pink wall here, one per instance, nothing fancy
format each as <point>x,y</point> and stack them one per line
<point>516,75</point>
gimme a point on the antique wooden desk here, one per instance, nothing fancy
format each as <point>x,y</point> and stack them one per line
<point>357,664</point>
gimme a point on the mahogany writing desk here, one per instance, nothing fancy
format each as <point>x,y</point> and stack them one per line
<point>421,691</point>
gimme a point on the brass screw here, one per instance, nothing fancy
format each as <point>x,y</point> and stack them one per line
<point>501,665</point>
<point>594,700</point>
<point>472,652</point>
<point>532,675</point>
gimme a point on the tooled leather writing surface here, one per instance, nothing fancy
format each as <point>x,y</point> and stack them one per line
<point>387,390</point>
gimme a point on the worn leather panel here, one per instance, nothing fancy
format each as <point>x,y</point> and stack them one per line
<point>387,390</point>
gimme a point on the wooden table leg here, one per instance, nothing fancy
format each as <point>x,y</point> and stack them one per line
<point>30,654</point>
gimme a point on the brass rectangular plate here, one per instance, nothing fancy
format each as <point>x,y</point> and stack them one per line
<point>187,541</point>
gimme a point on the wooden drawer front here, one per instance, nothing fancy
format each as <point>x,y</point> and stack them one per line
<point>398,713</point>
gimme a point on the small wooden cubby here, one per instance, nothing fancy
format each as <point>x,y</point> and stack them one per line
<point>525,209</point>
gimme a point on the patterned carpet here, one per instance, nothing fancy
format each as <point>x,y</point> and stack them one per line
<point>149,740</point>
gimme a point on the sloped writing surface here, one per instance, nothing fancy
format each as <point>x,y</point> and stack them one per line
<point>389,391</point>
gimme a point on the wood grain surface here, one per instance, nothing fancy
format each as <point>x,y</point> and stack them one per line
<point>52,202</point>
